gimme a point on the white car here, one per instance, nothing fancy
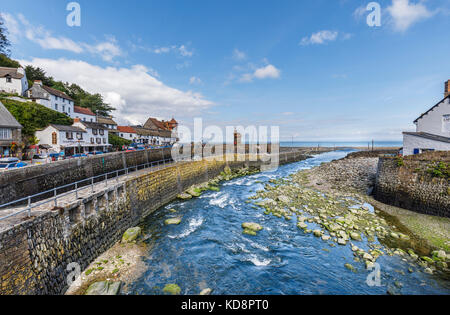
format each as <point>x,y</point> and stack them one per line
<point>39,159</point>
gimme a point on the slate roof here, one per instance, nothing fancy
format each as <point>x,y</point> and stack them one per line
<point>56,92</point>
<point>93,125</point>
<point>67,128</point>
<point>4,71</point>
<point>7,119</point>
<point>428,136</point>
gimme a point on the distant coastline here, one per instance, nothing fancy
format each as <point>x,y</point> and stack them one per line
<point>355,144</point>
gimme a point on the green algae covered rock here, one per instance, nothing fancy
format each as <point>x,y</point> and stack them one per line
<point>350,267</point>
<point>131,235</point>
<point>252,226</point>
<point>172,289</point>
<point>173,221</point>
<point>355,236</point>
<point>104,288</point>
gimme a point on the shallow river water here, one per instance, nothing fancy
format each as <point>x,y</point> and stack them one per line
<point>208,250</point>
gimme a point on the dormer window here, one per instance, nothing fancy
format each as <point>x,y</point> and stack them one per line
<point>8,79</point>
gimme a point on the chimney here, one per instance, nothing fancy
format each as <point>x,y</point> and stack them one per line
<point>75,120</point>
<point>447,88</point>
<point>38,82</point>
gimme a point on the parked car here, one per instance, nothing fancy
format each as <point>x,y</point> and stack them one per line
<point>39,159</point>
<point>11,163</point>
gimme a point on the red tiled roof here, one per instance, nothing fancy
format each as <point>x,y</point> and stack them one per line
<point>126,129</point>
<point>83,110</point>
<point>173,121</point>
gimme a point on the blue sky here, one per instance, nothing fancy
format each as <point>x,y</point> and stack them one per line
<point>314,68</point>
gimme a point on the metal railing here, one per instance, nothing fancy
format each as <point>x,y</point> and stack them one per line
<point>79,186</point>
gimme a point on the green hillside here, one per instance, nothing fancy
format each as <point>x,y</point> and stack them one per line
<point>33,116</point>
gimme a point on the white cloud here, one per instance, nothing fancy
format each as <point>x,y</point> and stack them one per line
<point>320,37</point>
<point>405,14</point>
<point>185,52</point>
<point>20,27</point>
<point>239,55</point>
<point>266,72</point>
<point>195,80</point>
<point>134,92</point>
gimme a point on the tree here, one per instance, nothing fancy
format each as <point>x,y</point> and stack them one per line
<point>36,73</point>
<point>118,142</point>
<point>7,62</point>
<point>95,103</point>
<point>4,42</point>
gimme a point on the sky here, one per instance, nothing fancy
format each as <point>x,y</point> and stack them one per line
<point>315,68</point>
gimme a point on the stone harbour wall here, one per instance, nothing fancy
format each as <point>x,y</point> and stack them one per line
<point>19,183</point>
<point>406,183</point>
<point>37,255</point>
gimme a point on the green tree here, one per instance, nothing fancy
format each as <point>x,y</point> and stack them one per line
<point>95,103</point>
<point>4,42</point>
<point>36,73</point>
<point>7,62</point>
<point>118,142</point>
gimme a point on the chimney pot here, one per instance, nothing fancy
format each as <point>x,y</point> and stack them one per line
<point>76,120</point>
<point>447,88</point>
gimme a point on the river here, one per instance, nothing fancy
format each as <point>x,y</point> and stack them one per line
<point>208,250</point>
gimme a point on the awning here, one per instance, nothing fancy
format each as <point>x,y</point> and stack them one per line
<point>45,146</point>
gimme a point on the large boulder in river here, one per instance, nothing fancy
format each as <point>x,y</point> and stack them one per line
<point>104,288</point>
<point>252,226</point>
<point>173,221</point>
<point>184,196</point>
<point>131,235</point>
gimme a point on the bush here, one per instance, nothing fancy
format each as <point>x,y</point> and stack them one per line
<point>439,169</point>
<point>118,142</point>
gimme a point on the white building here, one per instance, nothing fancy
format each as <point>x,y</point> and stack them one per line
<point>96,135</point>
<point>51,98</point>
<point>13,80</point>
<point>68,139</point>
<point>127,133</point>
<point>84,114</point>
<point>432,129</point>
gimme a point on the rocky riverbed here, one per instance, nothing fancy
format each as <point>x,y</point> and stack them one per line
<point>331,202</point>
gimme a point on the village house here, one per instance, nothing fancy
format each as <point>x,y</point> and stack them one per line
<point>147,136</point>
<point>13,80</point>
<point>432,129</point>
<point>108,122</point>
<point>84,114</point>
<point>51,98</point>
<point>97,136</point>
<point>167,130</point>
<point>127,133</point>
<point>58,138</point>
<point>10,131</point>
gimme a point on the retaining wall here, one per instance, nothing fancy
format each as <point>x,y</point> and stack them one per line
<point>406,183</point>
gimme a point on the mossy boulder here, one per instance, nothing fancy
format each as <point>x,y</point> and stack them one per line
<point>355,236</point>
<point>104,288</point>
<point>251,228</point>
<point>131,234</point>
<point>184,196</point>
<point>173,221</point>
<point>350,267</point>
<point>194,191</point>
<point>172,289</point>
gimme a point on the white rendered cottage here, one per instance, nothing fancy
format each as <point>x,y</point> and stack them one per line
<point>58,138</point>
<point>13,80</point>
<point>96,136</point>
<point>432,129</point>
<point>51,98</point>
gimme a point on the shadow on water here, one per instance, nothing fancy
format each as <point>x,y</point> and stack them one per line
<point>208,250</point>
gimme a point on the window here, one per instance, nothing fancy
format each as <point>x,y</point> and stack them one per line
<point>104,140</point>
<point>69,135</point>
<point>56,106</point>
<point>446,123</point>
<point>79,136</point>
<point>92,140</point>
<point>8,79</point>
<point>54,138</point>
<point>5,133</point>
<point>101,132</point>
<point>99,140</point>
<point>64,108</point>
<point>94,132</point>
